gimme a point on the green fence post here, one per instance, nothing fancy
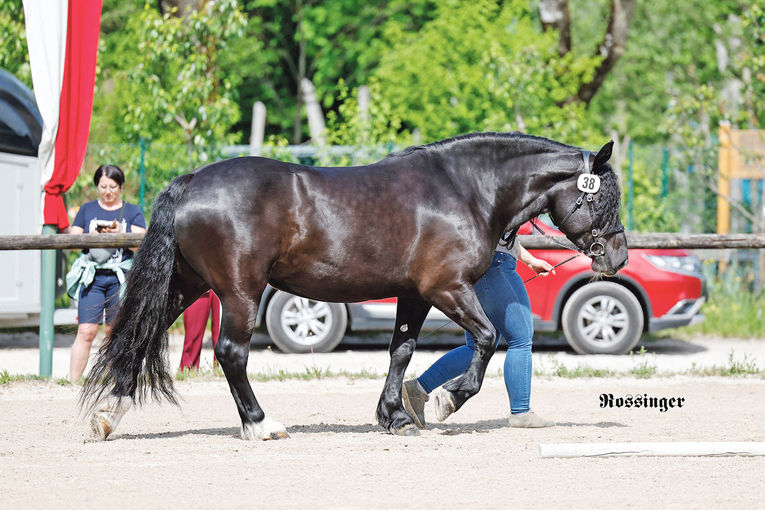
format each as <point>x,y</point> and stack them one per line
<point>664,168</point>
<point>631,181</point>
<point>47,305</point>
<point>142,167</point>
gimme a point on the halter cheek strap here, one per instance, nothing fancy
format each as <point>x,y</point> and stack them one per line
<point>580,200</point>
<point>596,248</point>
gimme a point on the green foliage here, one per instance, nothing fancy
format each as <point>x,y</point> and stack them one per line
<point>14,56</point>
<point>733,308</point>
<point>161,78</point>
<point>178,76</point>
<point>492,70</point>
<point>752,57</point>
<point>371,135</point>
<point>323,41</point>
<point>670,53</point>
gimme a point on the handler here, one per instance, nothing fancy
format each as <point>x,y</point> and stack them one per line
<point>506,302</point>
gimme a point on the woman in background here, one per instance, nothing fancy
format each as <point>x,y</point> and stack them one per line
<point>98,273</point>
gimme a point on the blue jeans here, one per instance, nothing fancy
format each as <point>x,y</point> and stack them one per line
<point>506,302</point>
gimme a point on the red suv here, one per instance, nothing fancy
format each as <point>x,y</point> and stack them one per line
<point>658,289</point>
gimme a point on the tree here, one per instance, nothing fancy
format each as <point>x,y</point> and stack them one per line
<point>555,14</point>
<point>324,41</point>
<point>162,79</point>
<point>14,56</point>
<point>178,74</point>
<point>483,66</point>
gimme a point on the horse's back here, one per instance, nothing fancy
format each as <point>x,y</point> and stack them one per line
<point>343,234</point>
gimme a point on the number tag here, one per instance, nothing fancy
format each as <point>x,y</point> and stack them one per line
<point>588,183</point>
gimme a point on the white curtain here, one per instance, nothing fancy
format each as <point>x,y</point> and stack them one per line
<point>46,22</point>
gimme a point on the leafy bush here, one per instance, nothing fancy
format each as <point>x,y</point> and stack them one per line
<point>734,308</point>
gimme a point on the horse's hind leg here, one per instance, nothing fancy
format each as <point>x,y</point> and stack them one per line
<point>464,308</point>
<point>391,415</point>
<point>232,351</point>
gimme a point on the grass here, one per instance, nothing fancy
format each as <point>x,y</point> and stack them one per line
<point>733,308</point>
<point>309,373</point>
<point>7,378</point>
<point>561,370</point>
<point>643,369</point>
<point>735,368</point>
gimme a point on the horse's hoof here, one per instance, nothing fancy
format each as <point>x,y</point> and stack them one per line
<point>444,405</point>
<point>407,430</point>
<point>264,430</point>
<point>109,411</point>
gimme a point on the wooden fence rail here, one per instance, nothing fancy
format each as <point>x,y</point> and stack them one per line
<point>654,240</point>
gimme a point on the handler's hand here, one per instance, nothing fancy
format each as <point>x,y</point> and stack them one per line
<point>541,267</point>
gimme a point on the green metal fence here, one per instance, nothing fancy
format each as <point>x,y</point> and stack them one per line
<point>661,191</point>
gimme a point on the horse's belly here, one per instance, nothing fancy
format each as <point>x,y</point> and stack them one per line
<point>341,287</point>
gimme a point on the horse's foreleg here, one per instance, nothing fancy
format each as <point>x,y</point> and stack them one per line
<point>391,415</point>
<point>464,308</point>
<point>232,351</point>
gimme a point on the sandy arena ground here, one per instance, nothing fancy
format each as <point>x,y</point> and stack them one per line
<point>190,456</point>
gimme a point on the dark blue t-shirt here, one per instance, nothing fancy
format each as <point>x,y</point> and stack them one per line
<point>91,211</point>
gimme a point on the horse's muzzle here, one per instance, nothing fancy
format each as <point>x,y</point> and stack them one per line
<point>610,262</point>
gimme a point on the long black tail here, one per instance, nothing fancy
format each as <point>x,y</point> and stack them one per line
<point>139,332</point>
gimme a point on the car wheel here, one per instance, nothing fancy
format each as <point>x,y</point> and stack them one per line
<point>301,325</point>
<point>602,318</point>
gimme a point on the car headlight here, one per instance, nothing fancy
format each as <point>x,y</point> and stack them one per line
<point>684,265</point>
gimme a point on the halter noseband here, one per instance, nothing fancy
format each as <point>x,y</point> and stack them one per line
<point>596,248</point>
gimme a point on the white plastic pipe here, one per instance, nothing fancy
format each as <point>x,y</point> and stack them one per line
<point>651,449</point>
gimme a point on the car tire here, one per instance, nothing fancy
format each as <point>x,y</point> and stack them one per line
<point>602,318</point>
<point>302,325</point>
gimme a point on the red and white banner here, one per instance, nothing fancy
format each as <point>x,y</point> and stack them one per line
<point>62,36</point>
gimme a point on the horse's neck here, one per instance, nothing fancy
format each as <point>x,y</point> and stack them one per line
<point>513,184</point>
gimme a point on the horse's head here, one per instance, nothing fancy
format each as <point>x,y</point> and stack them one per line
<point>586,208</point>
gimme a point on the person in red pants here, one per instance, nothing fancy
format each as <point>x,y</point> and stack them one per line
<point>195,322</point>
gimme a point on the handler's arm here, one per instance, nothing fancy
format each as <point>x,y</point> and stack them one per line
<point>539,266</point>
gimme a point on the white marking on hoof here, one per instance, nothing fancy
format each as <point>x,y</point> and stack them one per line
<point>444,404</point>
<point>404,328</point>
<point>109,411</point>
<point>264,430</point>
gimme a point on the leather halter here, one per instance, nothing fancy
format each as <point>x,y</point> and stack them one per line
<point>596,248</point>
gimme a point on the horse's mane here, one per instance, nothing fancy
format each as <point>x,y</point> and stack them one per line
<point>606,208</point>
<point>607,205</point>
<point>490,136</point>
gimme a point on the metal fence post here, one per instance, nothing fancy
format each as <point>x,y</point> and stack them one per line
<point>47,305</point>
<point>631,181</point>
<point>664,168</point>
<point>142,167</point>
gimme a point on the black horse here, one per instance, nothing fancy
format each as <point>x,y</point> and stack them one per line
<point>420,225</point>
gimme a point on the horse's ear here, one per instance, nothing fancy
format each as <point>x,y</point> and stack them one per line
<point>603,155</point>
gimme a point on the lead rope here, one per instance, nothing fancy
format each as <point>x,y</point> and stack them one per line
<point>533,224</point>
